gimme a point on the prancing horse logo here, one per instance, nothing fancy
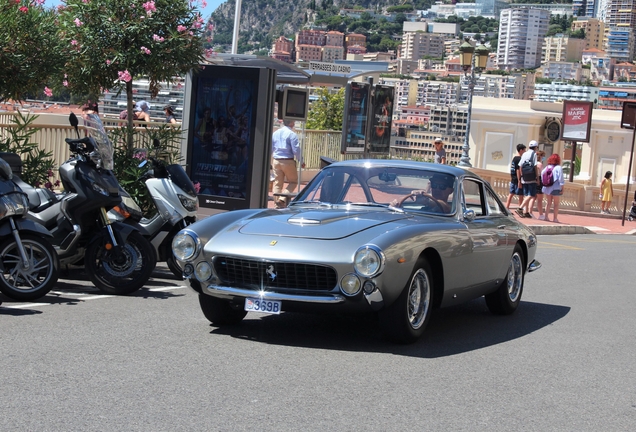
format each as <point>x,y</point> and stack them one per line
<point>270,272</point>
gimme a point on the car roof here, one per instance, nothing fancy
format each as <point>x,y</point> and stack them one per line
<point>396,163</point>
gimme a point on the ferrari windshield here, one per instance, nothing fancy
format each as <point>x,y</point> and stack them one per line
<point>103,146</point>
<point>405,188</point>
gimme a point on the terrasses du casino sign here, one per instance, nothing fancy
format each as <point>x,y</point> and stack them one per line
<point>329,67</point>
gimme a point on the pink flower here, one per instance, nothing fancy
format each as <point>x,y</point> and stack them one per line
<point>48,92</point>
<point>73,42</point>
<point>211,27</point>
<point>181,28</point>
<point>157,38</point>
<point>49,173</point>
<point>204,4</point>
<point>150,7</point>
<point>108,62</point>
<point>78,22</point>
<point>24,9</point>
<point>48,185</point>
<point>145,50</point>
<point>209,52</point>
<point>38,2</point>
<point>124,76</point>
<point>65,83</point>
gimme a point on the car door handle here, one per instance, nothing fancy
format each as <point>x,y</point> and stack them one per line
<point>501,227</point>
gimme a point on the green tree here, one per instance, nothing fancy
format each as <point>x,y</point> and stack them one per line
<point>29,48</point>
<point>111,42</point>
<point>326,113</point>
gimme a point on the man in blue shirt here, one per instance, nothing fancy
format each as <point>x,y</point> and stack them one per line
<point>284,149</point>
<point>142,111</point>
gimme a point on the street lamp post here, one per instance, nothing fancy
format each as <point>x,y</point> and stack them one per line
<point>475,60</point>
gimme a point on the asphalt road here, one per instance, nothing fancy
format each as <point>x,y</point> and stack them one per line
<point>151,362</point>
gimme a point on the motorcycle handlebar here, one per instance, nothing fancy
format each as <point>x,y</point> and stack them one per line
<point>80,145</point>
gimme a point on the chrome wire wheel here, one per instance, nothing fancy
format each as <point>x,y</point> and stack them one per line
<point>515,277</point>
<point>419,299</point>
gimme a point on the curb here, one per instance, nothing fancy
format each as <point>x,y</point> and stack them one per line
<point>559,229</point>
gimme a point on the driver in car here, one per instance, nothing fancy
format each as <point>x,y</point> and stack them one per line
<point>436,198</point>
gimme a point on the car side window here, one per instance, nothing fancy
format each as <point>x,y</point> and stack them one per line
<point>494,206</point>
<point>473,197</point>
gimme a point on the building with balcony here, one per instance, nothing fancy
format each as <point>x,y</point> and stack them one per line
<point>332,53</point>
<point>562,71</point>
<point>612,98</point>
<point>353,39</point>
<point>521,33</point>
<point>283,49</point>
<point>170,94</point>
<point>490,8</point>
<point>561,48</point>
<point>308,53</point>
<point>560,91</point>
<point>601,65</point>
<point>619,43</point>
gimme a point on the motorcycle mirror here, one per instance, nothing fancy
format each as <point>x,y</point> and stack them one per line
<point>72,119</point>
<point>143,163</point>
<point>155,143</point>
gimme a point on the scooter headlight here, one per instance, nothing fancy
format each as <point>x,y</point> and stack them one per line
<point>189,203</point>
<point>185,245</point>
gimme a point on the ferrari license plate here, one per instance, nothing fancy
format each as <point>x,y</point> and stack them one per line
<point>263,306</point>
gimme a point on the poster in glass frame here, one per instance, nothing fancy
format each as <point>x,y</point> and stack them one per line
<point>355,118</point>
<point>380,138</point>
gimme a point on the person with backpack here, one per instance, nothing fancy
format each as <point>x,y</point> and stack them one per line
<point>553,182</point>
<point>515,186</point>
<point>528,174</point>
<point>540,159</point>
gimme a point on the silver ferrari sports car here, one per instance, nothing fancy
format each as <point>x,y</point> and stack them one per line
<point>396,238</point>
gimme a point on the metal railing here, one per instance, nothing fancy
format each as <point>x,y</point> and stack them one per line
<point>315,144</point>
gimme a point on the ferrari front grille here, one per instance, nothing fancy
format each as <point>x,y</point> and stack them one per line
<point>261,274</point>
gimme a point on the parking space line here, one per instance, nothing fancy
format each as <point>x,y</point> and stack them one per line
<point>558,246</point>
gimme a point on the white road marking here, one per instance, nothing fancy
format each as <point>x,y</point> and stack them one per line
<point>80,298</point>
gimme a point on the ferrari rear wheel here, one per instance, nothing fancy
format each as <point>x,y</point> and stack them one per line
<point>405,320</point>
<point>506,299</point>
<point>220,312</point>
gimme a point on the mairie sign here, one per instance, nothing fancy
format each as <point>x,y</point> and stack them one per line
<point>329,67</point>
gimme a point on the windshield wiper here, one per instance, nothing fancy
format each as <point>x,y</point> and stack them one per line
<point>320,203</point>
<point>387,206</point>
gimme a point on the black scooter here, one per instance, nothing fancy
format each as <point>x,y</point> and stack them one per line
<point>28,263</point>
<point>117,258</point>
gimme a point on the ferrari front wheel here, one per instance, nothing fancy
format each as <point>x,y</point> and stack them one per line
<point>405,320</point>
<point>220,312</point>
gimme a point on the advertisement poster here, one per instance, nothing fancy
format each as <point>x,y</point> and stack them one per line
<point>577,121</point>
<point>223,128</point>
<point>380,139</point>
<point>356,117</point>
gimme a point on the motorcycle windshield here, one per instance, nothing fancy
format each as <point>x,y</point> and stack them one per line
<point>181,179</point>
<point>103,146</point>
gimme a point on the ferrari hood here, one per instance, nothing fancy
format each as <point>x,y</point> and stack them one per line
<point>319,224</point>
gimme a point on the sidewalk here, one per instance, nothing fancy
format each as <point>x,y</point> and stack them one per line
<point>577,222</point>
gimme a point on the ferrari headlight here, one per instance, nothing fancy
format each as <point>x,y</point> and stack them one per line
<point>368,261</point>
<point>185,245</point>
<point>203,271</point>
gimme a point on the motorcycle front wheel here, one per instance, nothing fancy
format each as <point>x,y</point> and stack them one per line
<point>122,270</point>
<point>36,281</point>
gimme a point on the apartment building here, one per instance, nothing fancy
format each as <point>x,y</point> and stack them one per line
<point>416,45</point>
<point>353,39</point>
<point>601,65</point>
<point>521,33</point>
<point>612,98</point>
<point>514,86</point>
<point>562,48</point>
<point>594,30</point>
<point>620,23</point>
<point>283,49</point>
<point>170,94</point>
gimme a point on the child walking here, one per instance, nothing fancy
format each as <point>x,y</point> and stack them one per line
<point>607,192</point>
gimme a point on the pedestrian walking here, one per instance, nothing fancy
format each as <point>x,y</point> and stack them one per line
<point>553,182</point>
<point>285,149</point>
<point>440,152</point>
<point>515,184</point>
<point>607,193</point>
<point>529,174</point>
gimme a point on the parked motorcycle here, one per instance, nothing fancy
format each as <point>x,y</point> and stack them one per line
<point>117,258</point>
<point>28,263</point>
<point>175,199</point>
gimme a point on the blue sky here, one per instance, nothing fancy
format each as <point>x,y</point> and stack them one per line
<point>211,7</point>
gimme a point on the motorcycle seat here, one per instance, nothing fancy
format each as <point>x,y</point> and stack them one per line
<point>39,198</point>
